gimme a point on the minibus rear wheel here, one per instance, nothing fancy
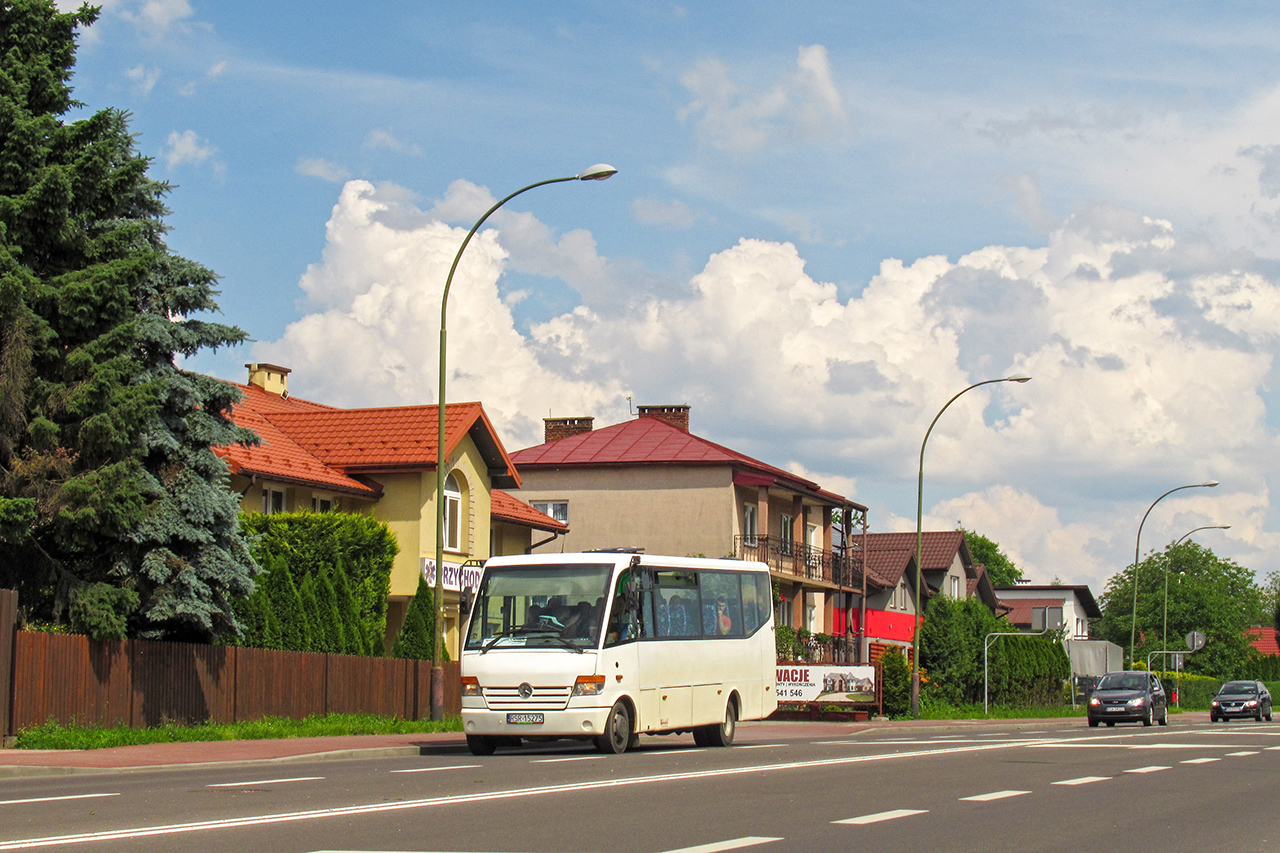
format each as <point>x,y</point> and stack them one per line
<point>722,735</point>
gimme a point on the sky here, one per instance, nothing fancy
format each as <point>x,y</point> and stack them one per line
<point>828,219</point>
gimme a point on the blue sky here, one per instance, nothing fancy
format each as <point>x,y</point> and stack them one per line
<point>828,219</point>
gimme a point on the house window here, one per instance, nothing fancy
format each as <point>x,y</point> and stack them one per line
<point>272,501</point>
<point>749,529</point>
<point>955,588</point>
<point>783,616</point>
<point>323,503</point>
<point>559,510</point>
<point>784,534</point>
<point>813,612</point>
<point>1045,617</point>
<point>452,515</point>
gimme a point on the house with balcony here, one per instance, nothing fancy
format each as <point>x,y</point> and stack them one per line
<point>382,462</point>
<point>651,483</point>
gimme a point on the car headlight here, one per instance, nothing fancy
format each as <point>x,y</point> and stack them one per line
<point>1214,703</point>
<point>470,685</point>
<point>1252,703</point>
<point>1093,700</point>
<point>1137,703</point>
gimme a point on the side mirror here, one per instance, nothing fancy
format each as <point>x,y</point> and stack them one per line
<point>465,600</point>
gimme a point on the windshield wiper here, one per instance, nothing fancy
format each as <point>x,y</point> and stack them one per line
<point>549,633</point>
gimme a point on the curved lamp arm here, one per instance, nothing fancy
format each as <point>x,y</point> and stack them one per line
<point>598,172</point>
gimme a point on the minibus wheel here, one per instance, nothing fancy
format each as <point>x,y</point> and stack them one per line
<point>482,744</point>
<point>617,731</point>
<point>722,735</point>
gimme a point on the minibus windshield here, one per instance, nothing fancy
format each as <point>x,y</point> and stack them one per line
<point>540,606</point>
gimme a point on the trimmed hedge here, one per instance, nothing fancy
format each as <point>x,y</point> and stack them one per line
<point>324,584</point>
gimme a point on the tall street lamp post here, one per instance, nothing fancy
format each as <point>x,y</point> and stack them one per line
<point>599,172</point>
<point>1137,545</point>
<point>1165,641</point>
<point>915,639</point>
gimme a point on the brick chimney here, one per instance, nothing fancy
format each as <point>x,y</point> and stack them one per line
<point>677,416</point>
<point>554,429</point>
<point>271,378</point>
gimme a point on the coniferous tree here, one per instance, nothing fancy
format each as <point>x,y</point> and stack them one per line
<point>107,477</point>
<point>416,639</point>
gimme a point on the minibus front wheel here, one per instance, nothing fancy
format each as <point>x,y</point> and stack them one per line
<point>618,736</point>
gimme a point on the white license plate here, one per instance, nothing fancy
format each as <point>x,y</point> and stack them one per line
<point>1109,710</point>
<point>524,719</point>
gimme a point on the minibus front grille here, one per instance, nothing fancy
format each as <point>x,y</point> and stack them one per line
<point>542,699</point>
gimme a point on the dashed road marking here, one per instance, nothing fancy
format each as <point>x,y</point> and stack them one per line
<point>1152,769</point>
<point>880,816</point>
<point>1083,780</point>
<point>731,844</point>
<point>994,795</point>
<point>1200,761</point>
<point>431,769</point>
<point>55,799</point>
<point>265,782</point>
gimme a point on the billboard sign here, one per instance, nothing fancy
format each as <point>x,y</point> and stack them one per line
<point>835,683</point>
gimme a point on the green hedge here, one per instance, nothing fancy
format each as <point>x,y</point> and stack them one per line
<point>1196,691</point>
<point>324,584</point>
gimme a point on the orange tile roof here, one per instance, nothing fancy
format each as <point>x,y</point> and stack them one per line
<point>1264,640</point>
<point>321,445</point>
<point>515,511</point>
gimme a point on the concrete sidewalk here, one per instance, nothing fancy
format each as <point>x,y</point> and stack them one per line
<point>33,762</point>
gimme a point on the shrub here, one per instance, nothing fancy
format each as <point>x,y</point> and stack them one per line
<point>417,638</point>
<point>895,686</point>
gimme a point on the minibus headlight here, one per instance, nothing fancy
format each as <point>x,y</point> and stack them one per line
<point>470,685</point>
<point>588,685</point>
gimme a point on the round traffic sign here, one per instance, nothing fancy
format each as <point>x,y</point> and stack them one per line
<point>1195,641</point>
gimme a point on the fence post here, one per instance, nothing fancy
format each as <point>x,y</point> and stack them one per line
<point>8,626</point>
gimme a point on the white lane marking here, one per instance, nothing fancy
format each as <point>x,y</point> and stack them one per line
<point>1245,752</point>
<point>994,795</point>
<point>1269,748</point>
<point>573,758</point>
<point>1083,780</point>
<point>669,752</point>
<point>54,799</point>
<point>731,844</point>
<point>375,808</point>
<point>1152,769</point>
<point>1199,760</point>
<point>896,742</point>
<point>432,769</point>
<point>880,816</point>
<point>264,782</point>
<point>773,746</point>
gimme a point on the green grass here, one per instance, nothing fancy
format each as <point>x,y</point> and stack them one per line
<point>939,711</point>
<point>53,735</point>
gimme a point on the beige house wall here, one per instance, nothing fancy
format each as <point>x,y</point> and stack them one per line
<point>682,511</point>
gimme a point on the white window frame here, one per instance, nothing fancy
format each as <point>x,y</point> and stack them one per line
<point>452,515</point>
<point>785,525</point>
<point>559,510</point>
<point>269,502</point>
<point>318,503</point>
<point>955,587</point>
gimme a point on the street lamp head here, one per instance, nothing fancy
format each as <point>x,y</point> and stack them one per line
<point>1210,484</point>
<point>598,172</point>
<point>1017,379</point>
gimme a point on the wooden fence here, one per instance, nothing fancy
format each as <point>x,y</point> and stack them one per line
<point>70,678</point>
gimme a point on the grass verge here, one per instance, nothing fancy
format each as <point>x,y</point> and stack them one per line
<point>53,735</point>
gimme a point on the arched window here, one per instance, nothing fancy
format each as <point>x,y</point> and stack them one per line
<point>452,514</point>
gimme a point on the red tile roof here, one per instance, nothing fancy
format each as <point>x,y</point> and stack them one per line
<point>1020,608</point>
<point>324,446</point>
<point>504,507</point>
<point>651,441</point>
<point>1264,640</point>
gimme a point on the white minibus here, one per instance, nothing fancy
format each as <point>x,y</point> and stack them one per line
<point>609,645</point>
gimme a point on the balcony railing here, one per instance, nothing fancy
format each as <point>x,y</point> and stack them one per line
<point>836,649</point>
<point>801,560</point>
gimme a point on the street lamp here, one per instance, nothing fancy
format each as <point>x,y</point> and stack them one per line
<point>1165,642</point>
<point>598,172</point>
<point>1133,626</point>
<point>915,639</point>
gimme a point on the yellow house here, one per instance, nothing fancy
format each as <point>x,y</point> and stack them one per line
<point>381,462</point>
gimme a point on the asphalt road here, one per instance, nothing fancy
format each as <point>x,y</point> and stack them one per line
<point>982,787</point>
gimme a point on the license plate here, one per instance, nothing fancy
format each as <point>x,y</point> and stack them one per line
<point>1109,710</point>
<point>524,718</point>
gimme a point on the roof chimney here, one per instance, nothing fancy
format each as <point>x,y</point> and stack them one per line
<point>677,416</point>
<point>554,429</point>
<point>271,378</point>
